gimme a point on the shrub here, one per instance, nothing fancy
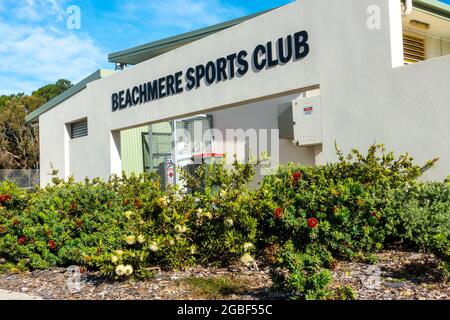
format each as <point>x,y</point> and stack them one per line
<point>299,221</point>
<point>223,220</point>
<point>346,210</point>
<point>418,214</point>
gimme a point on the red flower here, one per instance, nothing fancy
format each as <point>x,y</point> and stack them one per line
<point>137,204</point>
<point>375,215</point>
<point>22,240</point>
<point>278,213</point>
<point>73,206</point>
<point>79,223</point>
<point>296,176</point>
<point>52,245</point>
<point>312,223</point>
<point>5,198</point>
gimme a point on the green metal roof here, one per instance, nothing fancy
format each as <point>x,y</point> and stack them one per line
<point>434,7</point>
<point>33,116</point>
<point>150,50</point>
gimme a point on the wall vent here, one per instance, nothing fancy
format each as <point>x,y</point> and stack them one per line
<point>413,48</point>
<point>79,129</point>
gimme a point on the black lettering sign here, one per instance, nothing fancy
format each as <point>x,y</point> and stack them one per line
<point>272,54</point>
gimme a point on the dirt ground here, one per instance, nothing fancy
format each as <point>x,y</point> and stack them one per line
<point>398,275</point>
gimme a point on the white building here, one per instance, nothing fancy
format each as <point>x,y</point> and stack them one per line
<point>353,72</point>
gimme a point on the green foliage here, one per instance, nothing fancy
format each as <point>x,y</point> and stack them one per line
<point>344,293</point>
<point>222,217</point>
<point>50,91</point>
<point>301,273</point>
<point>348,210</point>
<point>214,288</point>
<point>299,221</point>
<point>19,141</point>
<point>126,226</point>
<point>419,215</point>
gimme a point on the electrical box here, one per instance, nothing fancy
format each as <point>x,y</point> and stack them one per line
<point>306,114</point>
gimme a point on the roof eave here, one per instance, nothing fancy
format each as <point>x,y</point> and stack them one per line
<point>433,7</point>
<point>34,116</point>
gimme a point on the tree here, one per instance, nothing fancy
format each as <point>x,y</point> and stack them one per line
<point>52,90</point>
<point>19,141</point>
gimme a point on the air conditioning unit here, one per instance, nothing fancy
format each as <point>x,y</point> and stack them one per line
<point>306,114</point>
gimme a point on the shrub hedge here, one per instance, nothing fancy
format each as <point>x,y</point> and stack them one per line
<point>299,221</point>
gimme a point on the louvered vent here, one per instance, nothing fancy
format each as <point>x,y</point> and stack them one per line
<point>79,129</point>
<point>413,48</point>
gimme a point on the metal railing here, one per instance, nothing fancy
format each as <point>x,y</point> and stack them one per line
<point>26,178</point>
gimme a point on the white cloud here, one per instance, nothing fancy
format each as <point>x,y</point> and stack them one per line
<point>32,55</point>
<point>37,10</point>
<point>183,14</point>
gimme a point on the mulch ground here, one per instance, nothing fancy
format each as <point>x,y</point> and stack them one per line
<point>398,275</point>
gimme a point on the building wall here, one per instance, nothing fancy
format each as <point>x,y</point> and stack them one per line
<point>367,94</point>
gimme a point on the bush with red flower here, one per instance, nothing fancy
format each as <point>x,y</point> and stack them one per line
<point>299,220</point>
<point>312,223</point>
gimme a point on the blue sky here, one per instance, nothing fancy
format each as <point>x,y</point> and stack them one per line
<point>37,48</point>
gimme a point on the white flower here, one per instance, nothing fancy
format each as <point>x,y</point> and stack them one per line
<point>208,215</point>
<point>229,222</point>
<point>128,270</point>
<point>171,242</point>
<point>164,201</point>
<point>180,229</point>
<point>119,252</point>
<point>247,259</point>
<point>130,240</point>
<point>120,270</point>
<point>248,246</point>
<point>154,246</point>
<point>114,259</point>
<point>141,238</point>
<point>128,214</point>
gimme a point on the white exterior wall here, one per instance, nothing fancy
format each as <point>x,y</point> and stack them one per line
<point>260,115</point>
<point>367,94</point>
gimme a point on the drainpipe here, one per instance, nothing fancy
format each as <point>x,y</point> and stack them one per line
<point>408,7</point>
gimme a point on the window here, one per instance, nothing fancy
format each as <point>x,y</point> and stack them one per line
<point>414,49</point>
<point>79,129</point>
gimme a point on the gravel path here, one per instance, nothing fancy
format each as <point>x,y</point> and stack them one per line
<point>10,295</point>
<point>397,276</point>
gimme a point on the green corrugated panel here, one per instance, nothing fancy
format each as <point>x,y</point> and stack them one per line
<point>131,150</point>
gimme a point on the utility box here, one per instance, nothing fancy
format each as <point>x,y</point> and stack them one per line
<point>306,114</point>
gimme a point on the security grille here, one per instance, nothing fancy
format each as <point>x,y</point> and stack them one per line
<point>159,144</point>
<point>413,48</point>
<point>79,129</point>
